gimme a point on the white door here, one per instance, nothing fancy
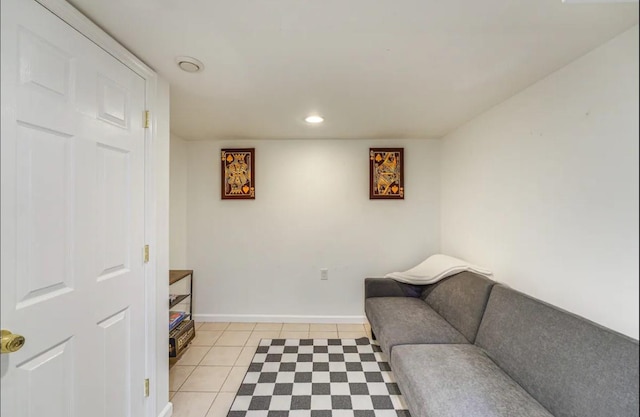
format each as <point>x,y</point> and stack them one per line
<point>72,159</point>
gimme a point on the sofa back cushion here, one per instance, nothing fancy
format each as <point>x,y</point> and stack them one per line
<point>460,299</point>
<point>572,366</point>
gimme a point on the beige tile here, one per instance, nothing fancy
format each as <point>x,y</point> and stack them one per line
<point>206,338</point>
<point>206,378</point>
<point>233,338</point>
<point>241,326</point>
<point>212,326</point>
<point>268,327</point>
<point>177,375</point>
<point>342,327</point>
<point>221,356</point>
<point>352,335</point>
<point>193,355</point>
<point>293,335</point>
<point>315,327</point>
<point>171,394</point>
<point>323,335</point>
<point>246,356</point>
<point>198,324</point>
<point>295,327</point>
<point>192,404</point>
<point>221,405</point>
<point>255,337</point>
<point>233,381</point>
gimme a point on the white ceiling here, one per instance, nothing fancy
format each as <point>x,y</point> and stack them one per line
<point>373,68</point>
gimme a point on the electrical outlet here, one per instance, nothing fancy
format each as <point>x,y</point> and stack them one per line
<point>324,274</point>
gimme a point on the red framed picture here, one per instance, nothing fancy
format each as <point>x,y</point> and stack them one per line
<point>238,170</point>
<point>386,173</point>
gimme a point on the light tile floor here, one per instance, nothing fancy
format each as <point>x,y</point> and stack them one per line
<point>204,381</point>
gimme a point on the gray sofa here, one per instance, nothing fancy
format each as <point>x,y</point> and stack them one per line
<point>468,347</point>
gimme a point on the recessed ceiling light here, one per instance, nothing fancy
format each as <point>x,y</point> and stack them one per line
<point>189,64</point>
<point>314,119</point>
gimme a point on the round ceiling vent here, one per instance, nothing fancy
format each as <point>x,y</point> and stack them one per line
<point>189,64</point>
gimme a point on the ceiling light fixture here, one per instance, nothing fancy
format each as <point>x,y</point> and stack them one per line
<point>314,119</point>
<point>189,64</point>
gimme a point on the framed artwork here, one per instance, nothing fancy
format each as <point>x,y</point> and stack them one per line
<point>238,182</point>
<point>386,173</point>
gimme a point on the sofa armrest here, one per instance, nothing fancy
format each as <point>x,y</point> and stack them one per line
<point>387,287</point>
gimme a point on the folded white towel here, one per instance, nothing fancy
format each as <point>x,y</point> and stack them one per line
<point>435,268</point>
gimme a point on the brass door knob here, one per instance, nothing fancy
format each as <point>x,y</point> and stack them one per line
<point>11,342</point>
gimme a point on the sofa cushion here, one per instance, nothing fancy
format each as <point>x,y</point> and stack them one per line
<point>458,380</point>
<point>405,320</point>
<point>572,366</point>
<point>461,300</point>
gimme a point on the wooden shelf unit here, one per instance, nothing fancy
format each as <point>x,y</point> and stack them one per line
<point>176,275</point>
<point>181,336</point>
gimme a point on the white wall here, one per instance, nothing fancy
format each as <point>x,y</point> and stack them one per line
<point>543,188</point>
<point>178,204</point>
<point>312,210</point>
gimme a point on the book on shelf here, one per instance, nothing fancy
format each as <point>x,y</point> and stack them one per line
<point>180,337</point>
<point>175,317</point>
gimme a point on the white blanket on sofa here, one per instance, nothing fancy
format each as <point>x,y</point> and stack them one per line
<point>435,268</point>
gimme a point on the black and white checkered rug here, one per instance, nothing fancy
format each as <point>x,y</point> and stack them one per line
<point>318,378</point>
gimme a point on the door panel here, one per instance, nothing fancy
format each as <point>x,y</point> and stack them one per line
<point>35,376</point>
<point>45,170</point>
<point>113,102</point>
<point>45,77</point>
<point>72,221</point>
<point>116,331</point>
<point>113,211</point>
<point>43,64</point>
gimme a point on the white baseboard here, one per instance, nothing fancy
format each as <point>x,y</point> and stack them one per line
<point>268,318</point>
<point>167,411</point>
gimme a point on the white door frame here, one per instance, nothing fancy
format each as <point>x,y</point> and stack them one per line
<point>86,27</point>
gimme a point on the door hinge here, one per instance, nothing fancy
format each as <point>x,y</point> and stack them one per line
<point>147,119</point>
<point>146,387</point>
<point>146,253</point>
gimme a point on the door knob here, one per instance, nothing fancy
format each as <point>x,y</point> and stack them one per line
<point>11,342</point>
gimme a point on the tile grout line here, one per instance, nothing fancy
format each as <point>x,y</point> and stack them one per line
<point>185,380</point>
<point>203,356</point>
<point>210,405</point>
